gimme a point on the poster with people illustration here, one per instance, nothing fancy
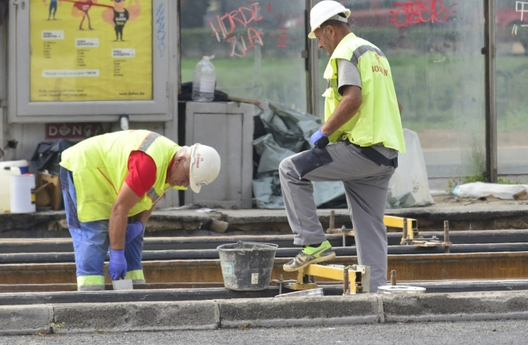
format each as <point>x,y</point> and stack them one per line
<point>91,50</point>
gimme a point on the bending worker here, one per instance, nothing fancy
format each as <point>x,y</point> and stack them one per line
<point>363,125</point>
<point>110,185</point>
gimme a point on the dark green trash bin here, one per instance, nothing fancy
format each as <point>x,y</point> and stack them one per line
<point>247,266</point>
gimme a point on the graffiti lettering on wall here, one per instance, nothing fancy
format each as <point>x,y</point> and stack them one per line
<point>417,12</point>
<point>160,31</point>
<point>281,40</point>
<point>225,26</point>
<point>238,44</point>
<point>246,17</point>
<point>283,32</point>
<point>521,7</point>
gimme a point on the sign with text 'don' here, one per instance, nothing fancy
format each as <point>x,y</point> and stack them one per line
<point>77,130</point>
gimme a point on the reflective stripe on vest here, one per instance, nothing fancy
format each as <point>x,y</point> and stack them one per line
<point>152,194</point>
<point>362,50</point>
<point>148,141</point>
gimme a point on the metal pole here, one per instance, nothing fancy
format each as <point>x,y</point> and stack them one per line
<point>393,277</point>
<point>447,243</point>
<point>314,96</point>
<point>331,221</point>
<point>346,283</point>
<point>404,232</point>
<point>489,51</point>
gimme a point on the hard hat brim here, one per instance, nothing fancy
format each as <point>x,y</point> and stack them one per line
<point>195,188</point>
<point>192,183</point>
<point>347,13</point>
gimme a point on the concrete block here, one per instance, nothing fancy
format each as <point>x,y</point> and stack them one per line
<point>299,311</point>
<point>22,319</point>
<point>456,306</point>
<point>132,316</point>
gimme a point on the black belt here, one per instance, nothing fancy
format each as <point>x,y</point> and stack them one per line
<point>375,156</point>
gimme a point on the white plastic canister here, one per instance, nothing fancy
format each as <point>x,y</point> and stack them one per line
<point>21,196</point>
<point>7,169</point>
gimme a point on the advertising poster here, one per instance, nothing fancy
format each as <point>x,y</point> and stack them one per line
<point>91,50</point>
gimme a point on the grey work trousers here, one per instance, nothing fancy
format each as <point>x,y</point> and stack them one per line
<point>366,185</point>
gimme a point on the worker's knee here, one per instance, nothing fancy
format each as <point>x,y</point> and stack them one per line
<point>90,283</point>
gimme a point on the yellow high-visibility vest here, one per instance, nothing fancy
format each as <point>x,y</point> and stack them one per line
<point>378,119</point>
<point>99,166</point>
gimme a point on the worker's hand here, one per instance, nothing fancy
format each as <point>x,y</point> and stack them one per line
<point>319,139</point>
<point>133,230</point>
<point>117,267</point>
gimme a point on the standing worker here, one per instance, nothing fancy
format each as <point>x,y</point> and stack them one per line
<point>110,185</point>
<point>362,121</point>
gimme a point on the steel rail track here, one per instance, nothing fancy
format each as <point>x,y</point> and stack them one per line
<point>66,293</point>
<point>192,262</point>
<point>32,245</point>
<point>499,265</point>
<point>207,254</point>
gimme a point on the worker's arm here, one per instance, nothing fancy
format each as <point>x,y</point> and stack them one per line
<point>140,179</point>
<point>345,110</point>
<point>126,199</point>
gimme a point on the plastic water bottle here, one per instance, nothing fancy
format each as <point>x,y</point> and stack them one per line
<point>204,81</point>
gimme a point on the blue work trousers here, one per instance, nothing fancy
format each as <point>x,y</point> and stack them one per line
<point>91,243</point>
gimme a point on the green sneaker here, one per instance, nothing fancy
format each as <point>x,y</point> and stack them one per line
<point>310,255</point>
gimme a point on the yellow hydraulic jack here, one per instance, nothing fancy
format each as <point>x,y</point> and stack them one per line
<point>410,234</point>
<point>356,278</point>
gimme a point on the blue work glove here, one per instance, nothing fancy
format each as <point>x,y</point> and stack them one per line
<point>133,230</point>
<point>117,268</point>
<point>319,139</point>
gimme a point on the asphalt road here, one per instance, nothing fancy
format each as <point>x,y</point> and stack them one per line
<point>512,332</point>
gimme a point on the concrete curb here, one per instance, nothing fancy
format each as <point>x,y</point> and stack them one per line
<point>299,311</point>
<point>457,306</point>
<point>15,320</point>
<point>131,316</point>
<point>261,312</point>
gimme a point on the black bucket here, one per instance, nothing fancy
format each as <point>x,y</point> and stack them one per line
<point>247,266</point>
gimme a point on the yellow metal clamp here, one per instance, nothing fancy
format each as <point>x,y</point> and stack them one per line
<point>356,278</point>
<point>409,227</point>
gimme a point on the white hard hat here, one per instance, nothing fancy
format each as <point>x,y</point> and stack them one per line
<point>325,10</point>
<point>205,166</point>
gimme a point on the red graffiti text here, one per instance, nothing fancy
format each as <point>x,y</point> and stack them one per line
<point>243,16</point>
<point>428,11</point>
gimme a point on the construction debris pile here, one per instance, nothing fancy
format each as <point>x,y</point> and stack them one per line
<point>281,132</point>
